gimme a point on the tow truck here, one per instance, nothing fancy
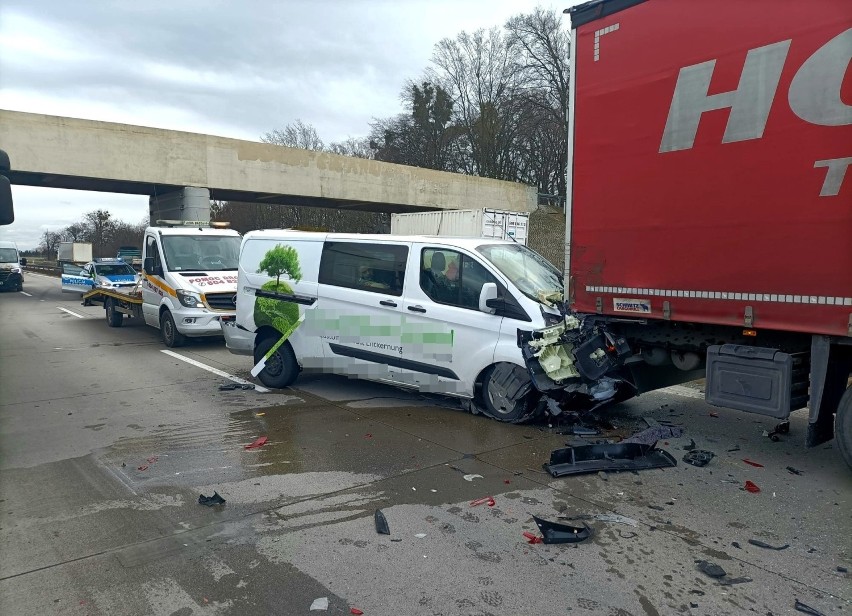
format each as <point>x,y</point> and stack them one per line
<point>188,283</point>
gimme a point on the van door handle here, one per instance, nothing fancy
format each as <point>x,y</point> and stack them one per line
<point>387,302</point>
<point>417,308</point>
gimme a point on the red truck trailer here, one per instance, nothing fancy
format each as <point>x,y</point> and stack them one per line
<point>709,208</point>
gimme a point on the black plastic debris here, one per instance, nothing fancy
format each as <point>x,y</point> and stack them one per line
<point>381,523</point>
<point>842,570</point>
<point>651,435</point>
<point>736,545</point>
<point>807,609</point>
<point>553,532</point>
<point>698,457</point>
<point>211,501</point>
<point>711,569</point>
<point>607,457</point>
<point>233,386</point>
<point>762,544</point>
<point>793,471</point>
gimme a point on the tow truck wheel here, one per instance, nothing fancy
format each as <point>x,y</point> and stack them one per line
<point>843,426</point>
<point>281,369</point>
<point>496,394</point>
<point>171,336</point>
<point>114,317</point>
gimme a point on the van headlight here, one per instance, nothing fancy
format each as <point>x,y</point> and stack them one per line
<point>16,270</point>
<point>189,299</point>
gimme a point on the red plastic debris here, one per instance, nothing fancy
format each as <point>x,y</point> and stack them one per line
<point>144,467</point>
<point>757,464</point>
<point>751,487</point>
<point>712,414</point>
<point>481,501</point>
<point>258,443</point>
<point>355,611</point>
<point>368,435</point>
<point>152,459</point>
<point>506,481</point>
<point>532,538</point>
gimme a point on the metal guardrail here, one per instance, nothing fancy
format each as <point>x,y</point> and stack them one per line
<point>43,269</point>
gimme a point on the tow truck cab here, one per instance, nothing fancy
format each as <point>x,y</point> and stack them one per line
<point>189,278</point>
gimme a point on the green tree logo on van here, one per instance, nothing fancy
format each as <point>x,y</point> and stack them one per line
<point>282,315</point>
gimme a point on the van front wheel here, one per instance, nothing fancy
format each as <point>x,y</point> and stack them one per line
<point>281,368</point>
<point>507,393</point>
<point>171,336</point>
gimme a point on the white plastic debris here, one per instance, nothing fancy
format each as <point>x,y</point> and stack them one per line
<point>616,519</point>
<point>320,604</point>
<point>472,477</point>
<point>420,535</point>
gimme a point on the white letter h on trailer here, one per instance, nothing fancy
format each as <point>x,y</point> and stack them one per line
<point>749,103</point>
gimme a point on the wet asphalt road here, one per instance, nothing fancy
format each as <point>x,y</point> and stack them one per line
<point>107,442</point>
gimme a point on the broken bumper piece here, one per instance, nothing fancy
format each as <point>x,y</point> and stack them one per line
<point>578,362</point>
<point>562,533</point>
<point>607,457</point>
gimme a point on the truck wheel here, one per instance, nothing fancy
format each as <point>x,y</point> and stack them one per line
<point>114,317</point>
<point>843,426</point>
<point>281,369</point>
<point>171,336</point>
<point>498,402</point>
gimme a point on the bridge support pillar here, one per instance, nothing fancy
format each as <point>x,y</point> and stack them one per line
<point>188,203</point>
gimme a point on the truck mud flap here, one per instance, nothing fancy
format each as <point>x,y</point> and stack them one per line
<point>607,457</point>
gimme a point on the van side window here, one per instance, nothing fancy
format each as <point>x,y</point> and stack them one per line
<point>379,268</point>
<point>449,277</point>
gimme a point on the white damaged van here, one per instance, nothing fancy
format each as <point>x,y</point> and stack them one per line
<point>437,314</point>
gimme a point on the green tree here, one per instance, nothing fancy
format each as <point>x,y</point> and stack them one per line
<point>281,260</point>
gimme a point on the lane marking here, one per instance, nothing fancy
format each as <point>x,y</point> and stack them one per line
<point>216,371</point>
<point>79,316</point>
<point>25,293</point>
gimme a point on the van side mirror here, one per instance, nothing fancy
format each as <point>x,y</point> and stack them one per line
<point>7,209</point>
<point>150,268</point>
<point>23,261</point>
<point>488,298</point>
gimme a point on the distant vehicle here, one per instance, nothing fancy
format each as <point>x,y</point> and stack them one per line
<point>74,252</point>
<point>130,254</point>
<point>11,267</point>
<point>101,273</point>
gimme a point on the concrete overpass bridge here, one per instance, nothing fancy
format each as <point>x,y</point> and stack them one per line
<point>181,171</point>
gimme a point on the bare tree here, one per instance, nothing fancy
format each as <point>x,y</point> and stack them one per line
<point>352,146</point>
<point>101,226</point>
<point>478,73</point>
<point>74,232</point>
<point>539,46</point>
<point>50,243</point>
<point>295,135</point>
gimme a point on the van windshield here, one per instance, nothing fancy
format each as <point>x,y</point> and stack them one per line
<point>210,253</point>
<point>534,275</point>
<point>8,255</point>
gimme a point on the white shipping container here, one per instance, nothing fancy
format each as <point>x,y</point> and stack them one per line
<point>486,222</point>
<point>76,252</point>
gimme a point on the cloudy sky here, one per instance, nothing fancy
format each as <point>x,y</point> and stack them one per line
<point>234,69</point>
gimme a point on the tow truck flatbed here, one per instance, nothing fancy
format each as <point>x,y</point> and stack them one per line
<point>116,303</point>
